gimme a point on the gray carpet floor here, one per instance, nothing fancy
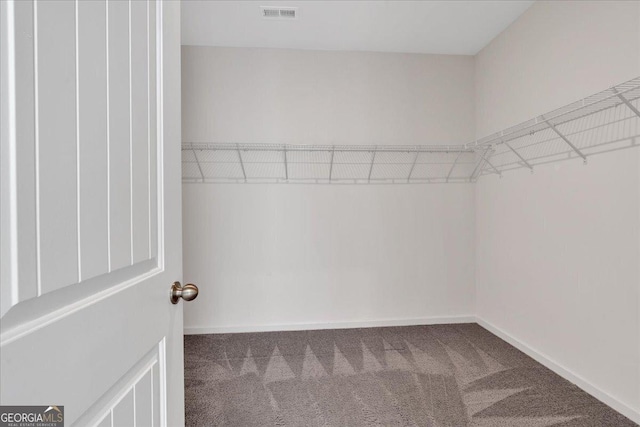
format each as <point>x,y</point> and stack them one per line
<point>441,375</point>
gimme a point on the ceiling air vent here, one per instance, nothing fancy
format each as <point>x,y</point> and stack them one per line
<point>271,12</point>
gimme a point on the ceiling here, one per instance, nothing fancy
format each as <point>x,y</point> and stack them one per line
<point>436,27</point>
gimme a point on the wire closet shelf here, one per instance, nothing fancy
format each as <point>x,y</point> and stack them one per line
<point>604,122</point>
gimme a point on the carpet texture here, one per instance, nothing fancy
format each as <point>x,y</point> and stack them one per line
<point>441,375</point>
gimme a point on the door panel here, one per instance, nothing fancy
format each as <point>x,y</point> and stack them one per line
<point>92,138</point>
<point>93,94</point>
<point>79,357</point>
<point>56,144</point>
<point>119,132</point>
<point>141,386</point>
<point>18,260</point>
<point>140,146</point>
<point>153,131</point>
<point>91,210</point>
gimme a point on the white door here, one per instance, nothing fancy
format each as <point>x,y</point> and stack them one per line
<point>91,217</point>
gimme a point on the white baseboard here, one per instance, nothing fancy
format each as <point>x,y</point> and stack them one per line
<point>439,320</point>
<point>565,373</point>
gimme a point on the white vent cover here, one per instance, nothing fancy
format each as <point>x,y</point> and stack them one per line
<point>274,12</point>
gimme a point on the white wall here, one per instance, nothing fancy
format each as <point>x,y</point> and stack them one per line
<point>279,256</point>
<point>321,97</point>
<point>283,256</point>
<point>558,251</point>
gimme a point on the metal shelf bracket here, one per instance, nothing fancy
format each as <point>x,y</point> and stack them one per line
<point>565,139</point>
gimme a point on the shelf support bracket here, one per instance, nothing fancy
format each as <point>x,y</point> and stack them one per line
<point>493,167</point>
<point>333,150</point>
<point>286,166</point>
<point>564,138</point>
<point>626,102</point>
<point>481,161</point>
<point>455,162</point>
<point>518,154</point>
<point>373,160</point>
<point>198,163</point>
<point>244,174</point>
<point>413,165</point>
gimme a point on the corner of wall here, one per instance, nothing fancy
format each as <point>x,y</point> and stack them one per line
<point>560,19</point>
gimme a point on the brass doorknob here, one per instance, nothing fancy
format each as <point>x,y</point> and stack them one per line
<point>187,292</point>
